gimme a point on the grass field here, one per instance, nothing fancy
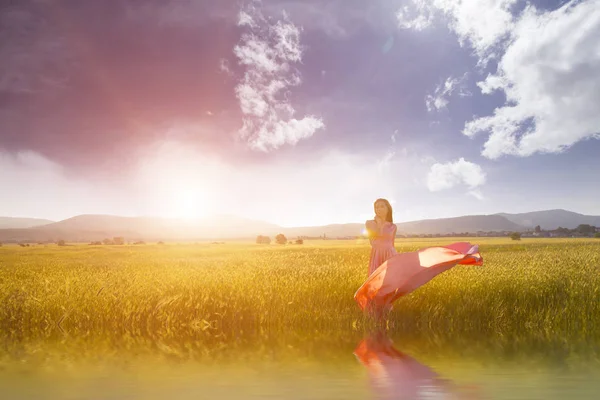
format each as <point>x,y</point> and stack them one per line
<point>535,286</point>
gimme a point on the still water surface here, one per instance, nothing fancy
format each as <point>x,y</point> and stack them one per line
<point>353,365</point>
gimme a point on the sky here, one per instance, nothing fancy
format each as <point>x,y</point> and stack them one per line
<point>298,112</point>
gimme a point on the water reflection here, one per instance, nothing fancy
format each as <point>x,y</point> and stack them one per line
<point>396,375</point>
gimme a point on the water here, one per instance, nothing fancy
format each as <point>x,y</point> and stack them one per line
<point>296,365</point>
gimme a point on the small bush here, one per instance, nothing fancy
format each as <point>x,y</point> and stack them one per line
<point>281,239</point>
<point>263,239</point>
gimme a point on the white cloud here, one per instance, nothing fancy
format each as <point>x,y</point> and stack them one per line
<point>440,98</point>
<point>548,63</point>
<point>268,53</point>
<point>418,17</point>
<point>483,23</point>
<point>476,193</point>
<point>449,175</point>
<point>549,74</point>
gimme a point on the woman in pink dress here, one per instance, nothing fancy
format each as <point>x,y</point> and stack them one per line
<point>392,274</point>
<point>381,232</point>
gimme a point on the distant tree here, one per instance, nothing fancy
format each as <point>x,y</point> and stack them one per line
<point>119,240</point>
<point>161,242</point>
<point>538,229</point>
<point>281,239</point>
<point>0,244</point>
<point>597,235</point>
<point>515,236</point>
<point>61,243</point>
<point>108,242</point>
<point>263,239</point>
<point>586,229</point>
<point>299,241</point>
<point>95,243</point>
<point>139,242</point>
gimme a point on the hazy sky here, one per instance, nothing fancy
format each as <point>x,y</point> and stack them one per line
<point>298,112</point>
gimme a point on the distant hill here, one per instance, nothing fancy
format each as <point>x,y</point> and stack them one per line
<point>152,228</point>
<point>20,223</point>
<point>469,223</point>
<point>552,219</point>
<point>85,228</point>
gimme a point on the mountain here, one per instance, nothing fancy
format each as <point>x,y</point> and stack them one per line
<point>469,223</point>
<point>153,228</point>
<point>85,228</point>
<point>552,219</point>
<point>20,223</point>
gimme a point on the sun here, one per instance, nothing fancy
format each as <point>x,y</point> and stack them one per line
<point>189,203</point>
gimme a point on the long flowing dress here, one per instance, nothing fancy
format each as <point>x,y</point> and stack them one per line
<point>405,272</point>
<point>382,246</point>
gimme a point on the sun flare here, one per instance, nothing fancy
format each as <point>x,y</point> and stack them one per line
<point>189,203</point>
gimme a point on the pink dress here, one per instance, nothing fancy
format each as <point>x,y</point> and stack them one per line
<point>382,246</point>
<point>405,272</point>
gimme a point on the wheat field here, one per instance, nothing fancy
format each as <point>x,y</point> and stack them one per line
<point>533,285</point>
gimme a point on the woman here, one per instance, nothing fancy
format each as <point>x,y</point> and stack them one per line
<point>392,274</point>
<point>381,232</point>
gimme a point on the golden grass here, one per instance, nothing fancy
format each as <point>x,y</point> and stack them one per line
<point>536,285</point>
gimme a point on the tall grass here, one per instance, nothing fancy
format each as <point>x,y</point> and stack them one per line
<point>535,286</point>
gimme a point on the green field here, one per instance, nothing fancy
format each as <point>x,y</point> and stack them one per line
<point>537,286</point>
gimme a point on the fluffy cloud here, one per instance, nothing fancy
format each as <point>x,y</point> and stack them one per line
<point>268,52</point>
<point>419,15</point>
<point>482,23</point>
<point>449,175</point>
<point>440,98</point>
<point>551,90</point>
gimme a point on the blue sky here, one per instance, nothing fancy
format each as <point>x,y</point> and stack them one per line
<point>299,112</point>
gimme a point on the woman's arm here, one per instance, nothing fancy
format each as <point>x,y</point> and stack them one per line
<point>394,236</point>
<point>372,228</point>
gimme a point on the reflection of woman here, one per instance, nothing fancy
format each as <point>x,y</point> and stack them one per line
<point>382,232</point>
<point>395,375</point>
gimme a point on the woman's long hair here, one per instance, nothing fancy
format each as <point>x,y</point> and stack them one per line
<point>390,217</point>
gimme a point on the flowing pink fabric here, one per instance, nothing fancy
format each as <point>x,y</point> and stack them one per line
<point>382,246</point>
<point>405,272</point>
